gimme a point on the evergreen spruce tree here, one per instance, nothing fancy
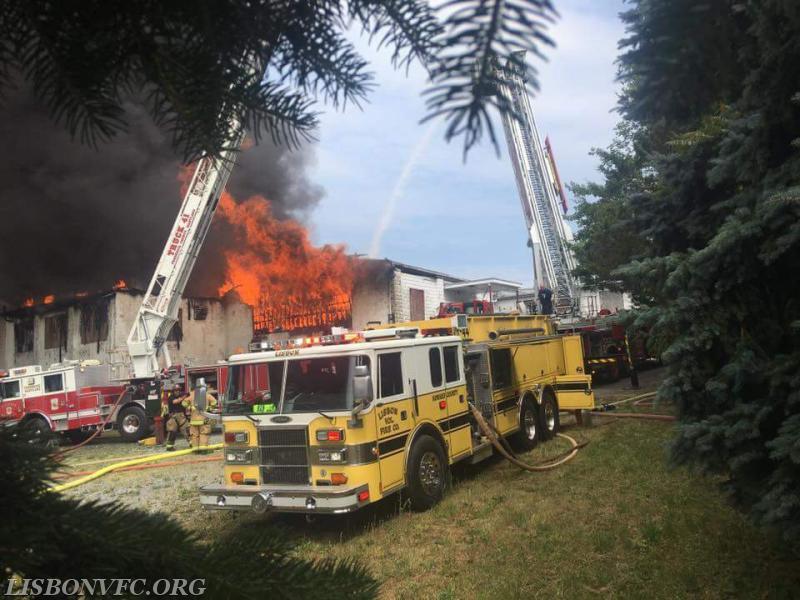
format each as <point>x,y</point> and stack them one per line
<point>714,87</point>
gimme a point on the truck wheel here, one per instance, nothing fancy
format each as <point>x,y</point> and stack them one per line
<point>530,430</point>
<point>39,432</point>
<point>428,473</point>
<point>550,421</point>
<point>132,423</point>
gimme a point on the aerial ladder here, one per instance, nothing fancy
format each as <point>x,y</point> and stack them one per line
<point>540,191</point>
<point>159,309</point>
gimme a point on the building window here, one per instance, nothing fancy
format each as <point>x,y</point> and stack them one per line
<point>451,372</point>
<point>435,360</point>
<point>23,336</point>
<point>390,373</point>
<point>501,368</point>
<point>94,322</point>
<point>55,331</point>
<point>417,301</point>
<point>53,383</point>
<point>198,310</point>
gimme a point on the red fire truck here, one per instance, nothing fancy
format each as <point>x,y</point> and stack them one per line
<point>604,346</point>
<point>76,398</point>
<point>73,398</point>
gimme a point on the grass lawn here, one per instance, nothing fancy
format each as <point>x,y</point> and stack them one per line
<point>614,522</point>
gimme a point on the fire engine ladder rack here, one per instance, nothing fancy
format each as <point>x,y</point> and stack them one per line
<point>535,188</point>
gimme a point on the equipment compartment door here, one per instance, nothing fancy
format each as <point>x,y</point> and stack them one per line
<point>574,392</point>
<point>478,384</point>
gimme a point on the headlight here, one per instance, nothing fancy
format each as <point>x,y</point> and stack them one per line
<point>239,456</point>
<point>332,456</point>
<point>236,437</point>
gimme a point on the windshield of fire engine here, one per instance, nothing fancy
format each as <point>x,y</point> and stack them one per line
<point>308,385</point>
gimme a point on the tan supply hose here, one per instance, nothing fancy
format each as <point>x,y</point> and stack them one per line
<point>633,399</point>
<point>487,431</point>
<point>646,416</point>
<point>127,463</point>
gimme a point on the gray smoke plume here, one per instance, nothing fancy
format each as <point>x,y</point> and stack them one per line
<point>75,219</point>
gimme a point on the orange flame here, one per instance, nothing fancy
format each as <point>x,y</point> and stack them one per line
<point>28,302</point>
<point>276,268</point>
<point>120,285</point>
<point>49,299</point>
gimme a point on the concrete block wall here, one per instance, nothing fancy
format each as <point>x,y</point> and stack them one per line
<point>39,355</point>
<point>227,329</point>
<point>371,301</point>
<point>401,298</point>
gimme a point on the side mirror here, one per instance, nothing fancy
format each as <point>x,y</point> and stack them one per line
<point>362,393</point>
<point>362,386</point>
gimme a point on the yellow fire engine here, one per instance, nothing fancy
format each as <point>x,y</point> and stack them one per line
<point>328,425</point>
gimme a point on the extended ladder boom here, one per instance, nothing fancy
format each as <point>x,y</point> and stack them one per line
<point>159,309</point>
<point>537,185</point>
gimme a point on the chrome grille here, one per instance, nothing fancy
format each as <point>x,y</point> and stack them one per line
<point>282,437</point>
<point>284,455</point>
<point>284,475</point>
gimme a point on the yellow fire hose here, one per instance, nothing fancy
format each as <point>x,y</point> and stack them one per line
<point>127,463</point>
<point>487,431</point>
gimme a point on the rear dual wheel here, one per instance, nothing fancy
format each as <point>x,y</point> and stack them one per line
<point>549,415</point>
<point>538,422</point>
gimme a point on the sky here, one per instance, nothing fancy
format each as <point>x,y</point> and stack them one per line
<point>383,171</point>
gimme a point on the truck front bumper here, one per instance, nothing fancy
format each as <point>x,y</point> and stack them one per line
<point>309,499</point>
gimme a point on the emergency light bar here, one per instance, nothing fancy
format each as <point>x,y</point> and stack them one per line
<point>306,342</point>
<point>376,334</point>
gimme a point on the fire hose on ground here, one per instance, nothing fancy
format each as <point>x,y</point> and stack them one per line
<point>129,463</point>
<point>161,465</point>
<point>493,438</point>
<point>637,400</point>
<point>506,452</point>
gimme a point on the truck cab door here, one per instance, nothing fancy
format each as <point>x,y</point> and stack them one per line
<point>457,426</point>
<point>396,397</point>
<point>57,402</point>
<point>11,397</point>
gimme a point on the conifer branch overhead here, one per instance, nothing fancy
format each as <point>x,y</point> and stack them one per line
<point>84,58</point>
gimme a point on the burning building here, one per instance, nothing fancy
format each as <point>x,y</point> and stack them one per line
<point>382,291</point>
<point>96,326</point>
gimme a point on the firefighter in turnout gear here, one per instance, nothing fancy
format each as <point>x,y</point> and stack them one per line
<point>198,403</point>
<point>176,421</point>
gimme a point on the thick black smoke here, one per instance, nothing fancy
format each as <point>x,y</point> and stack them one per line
<point>76,219</point>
